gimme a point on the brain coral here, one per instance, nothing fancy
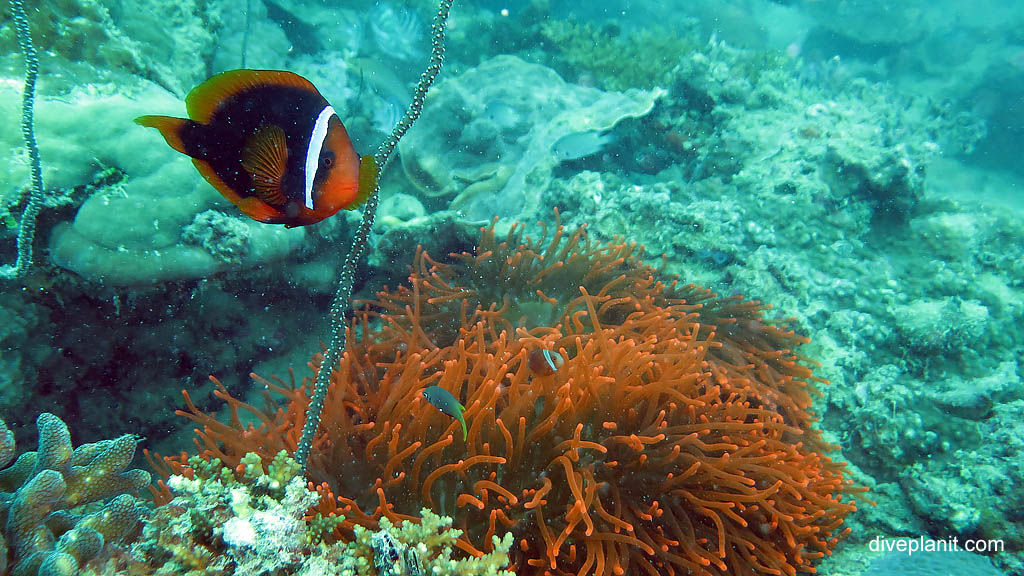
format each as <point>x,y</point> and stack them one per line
<point>674,438</point>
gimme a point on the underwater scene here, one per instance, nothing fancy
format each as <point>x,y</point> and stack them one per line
<point>497,287</point>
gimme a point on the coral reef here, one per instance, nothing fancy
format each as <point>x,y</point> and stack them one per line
<point>743,175</point>
<point>929,327</point>
<point>253,519</point>
<point>132,230</point>
<point>133,238</point>
<point>934,377</point>
<point>909,45</point>
<point>430,543</point>
<point>930,563</point>
<point>663,390</point>
<point>218,523</point>
<point>487,134</point>
<point>807,180</point>
<point>146,239</point>
<point>20,320</point>
<point>614,60</point>
<point>746,108</point>
<point>95,41</point>
<point>63,507</point>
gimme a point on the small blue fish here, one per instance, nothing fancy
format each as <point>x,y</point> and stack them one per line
<point>580,145</point>
<point>501,114</point>
<point>446,403</point>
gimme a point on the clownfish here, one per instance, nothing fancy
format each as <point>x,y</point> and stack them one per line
<point>272,145</point>
<point>544,362</point>
<point>446,403</point>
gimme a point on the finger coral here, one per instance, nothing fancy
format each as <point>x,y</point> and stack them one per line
<point>45,528</point>
<point>673,435</point>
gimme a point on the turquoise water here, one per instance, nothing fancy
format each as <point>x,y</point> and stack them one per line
<point>853,165</point>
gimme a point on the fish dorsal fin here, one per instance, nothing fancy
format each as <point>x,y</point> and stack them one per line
<point>206,98</point>
<point>265,158</point>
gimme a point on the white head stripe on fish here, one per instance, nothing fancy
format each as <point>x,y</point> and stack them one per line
<point>316,143</point>
<point>551,361</point>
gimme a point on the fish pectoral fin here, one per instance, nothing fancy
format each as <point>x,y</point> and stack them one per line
<point>368,171</point>
<point>265,158</point>
<point>252,207</point>
<point>259,210</point>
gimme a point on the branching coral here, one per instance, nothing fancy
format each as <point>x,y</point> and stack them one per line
<point>43,495</point>
<point>674,438</point>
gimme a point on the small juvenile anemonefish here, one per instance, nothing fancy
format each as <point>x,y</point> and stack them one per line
<point>447,404</point>
<point>272,145</point>
<point>544,362</point>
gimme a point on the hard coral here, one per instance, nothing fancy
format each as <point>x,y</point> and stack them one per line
<point>43,495</point>
<point>220,524</point>
<point>674,438</point>
<point>615,60</point>
<point>244,522</point>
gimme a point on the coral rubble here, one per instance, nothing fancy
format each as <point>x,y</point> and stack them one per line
<point>253,520</point>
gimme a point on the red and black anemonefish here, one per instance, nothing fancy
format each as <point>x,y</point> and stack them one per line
<point>272,145</point>
<point>544,362</point>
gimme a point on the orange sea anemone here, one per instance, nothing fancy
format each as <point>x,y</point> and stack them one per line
<point>673,436</point>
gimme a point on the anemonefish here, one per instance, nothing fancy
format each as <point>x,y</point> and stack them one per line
<point>446,403</point>
<point>544,362</point>
<point>272,145</point>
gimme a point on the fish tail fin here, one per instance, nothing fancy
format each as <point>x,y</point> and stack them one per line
<point>169,127</point>
<point>465,431</point>
<point>367,181</point>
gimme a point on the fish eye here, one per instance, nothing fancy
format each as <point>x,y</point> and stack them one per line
<point>328,160</point>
